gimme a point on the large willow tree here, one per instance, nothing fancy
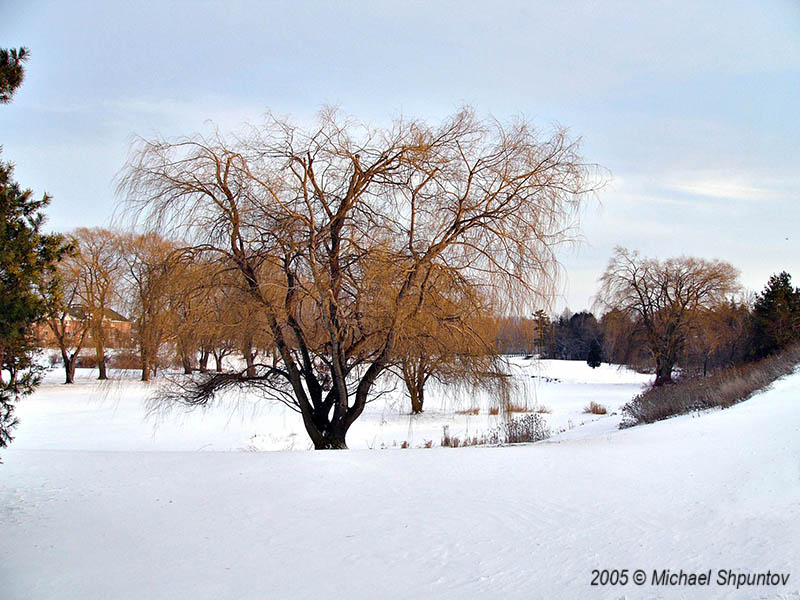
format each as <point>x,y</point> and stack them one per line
<point>337,232</point>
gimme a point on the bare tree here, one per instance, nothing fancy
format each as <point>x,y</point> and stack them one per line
<point>718,337</point>
<point>149,261</point>
<point>65,317</point>
<point>664,298</point>
<point>100,268</point>
<point>452,339</point>
<point>310,219</point>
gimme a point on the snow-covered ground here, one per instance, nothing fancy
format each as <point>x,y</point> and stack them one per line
<point>91,415</point>
<point>96,502</point>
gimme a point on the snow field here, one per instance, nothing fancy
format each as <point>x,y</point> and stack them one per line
<point>90,518</point>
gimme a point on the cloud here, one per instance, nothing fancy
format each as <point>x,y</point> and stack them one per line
<point>730,189</point>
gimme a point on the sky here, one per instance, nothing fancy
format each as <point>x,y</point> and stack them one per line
<point>691,106</point>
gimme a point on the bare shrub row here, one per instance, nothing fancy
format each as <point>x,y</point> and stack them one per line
<point>723,389</point>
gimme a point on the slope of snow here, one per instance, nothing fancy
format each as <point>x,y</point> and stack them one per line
<point>698,493</point>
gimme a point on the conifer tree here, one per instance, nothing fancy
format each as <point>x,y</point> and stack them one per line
<point>25,256</point>
<point>776,316</point>
<point>595,357</point>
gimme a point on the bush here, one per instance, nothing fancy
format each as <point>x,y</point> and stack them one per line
<point>86,362</point>
<point>723,389</point>
<point>595,408</point>
<point>530,428</point>
<point>126,359</point>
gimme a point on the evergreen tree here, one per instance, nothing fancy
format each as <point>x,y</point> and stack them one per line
<point>595,354</point>
<point>25,256</point>
<point>776,316</point>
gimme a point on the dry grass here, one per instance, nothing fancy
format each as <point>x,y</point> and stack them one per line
<point>723,389</point>
<point>469,411</point>
<point>524,408</point>
<point>595,408</point>
<point>494,410</point>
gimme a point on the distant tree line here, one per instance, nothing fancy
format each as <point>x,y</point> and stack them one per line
<point>683,313</point>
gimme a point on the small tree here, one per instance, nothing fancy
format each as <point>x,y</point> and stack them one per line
<point>595,357</point>
<point>663,299</point>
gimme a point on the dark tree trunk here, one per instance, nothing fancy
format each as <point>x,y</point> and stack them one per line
<point>331,442</point>
<point>69,366</point>
<point>414,376</point>
<point>218,362</point>
<point>187,364</point>
<point>249,358</point>
<point>145,366</point>
<point>101,362</point>
<point>203,362</point>
<point>417,400</point>
<point>663,371</point>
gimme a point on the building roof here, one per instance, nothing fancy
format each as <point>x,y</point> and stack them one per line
<point>78,311</point>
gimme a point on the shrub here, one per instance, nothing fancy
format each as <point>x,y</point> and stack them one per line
<point>86,362</point>
<point>529,428</point>
<point>723,389</point>
<point>125,359</point>
<point>595,408</point>
<point>494,410</point>
<point>469,411</point>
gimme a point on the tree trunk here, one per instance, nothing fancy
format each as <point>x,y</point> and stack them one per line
<point>145,366</point>
<point>663,371</point>
<point>331,442</point>
<point>203,362</point>
<point>414,377</point>
<point>69,366</point>
<point>98,338</point>
<point>218,362</point>
<point>101,362</point>
<point>417,399</point>
<point>249,358</point>
<point>187,364</point>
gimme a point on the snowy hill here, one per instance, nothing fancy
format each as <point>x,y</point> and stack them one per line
<point>93,506</point>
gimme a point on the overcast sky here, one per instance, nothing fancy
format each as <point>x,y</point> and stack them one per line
<point>694,107</point>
